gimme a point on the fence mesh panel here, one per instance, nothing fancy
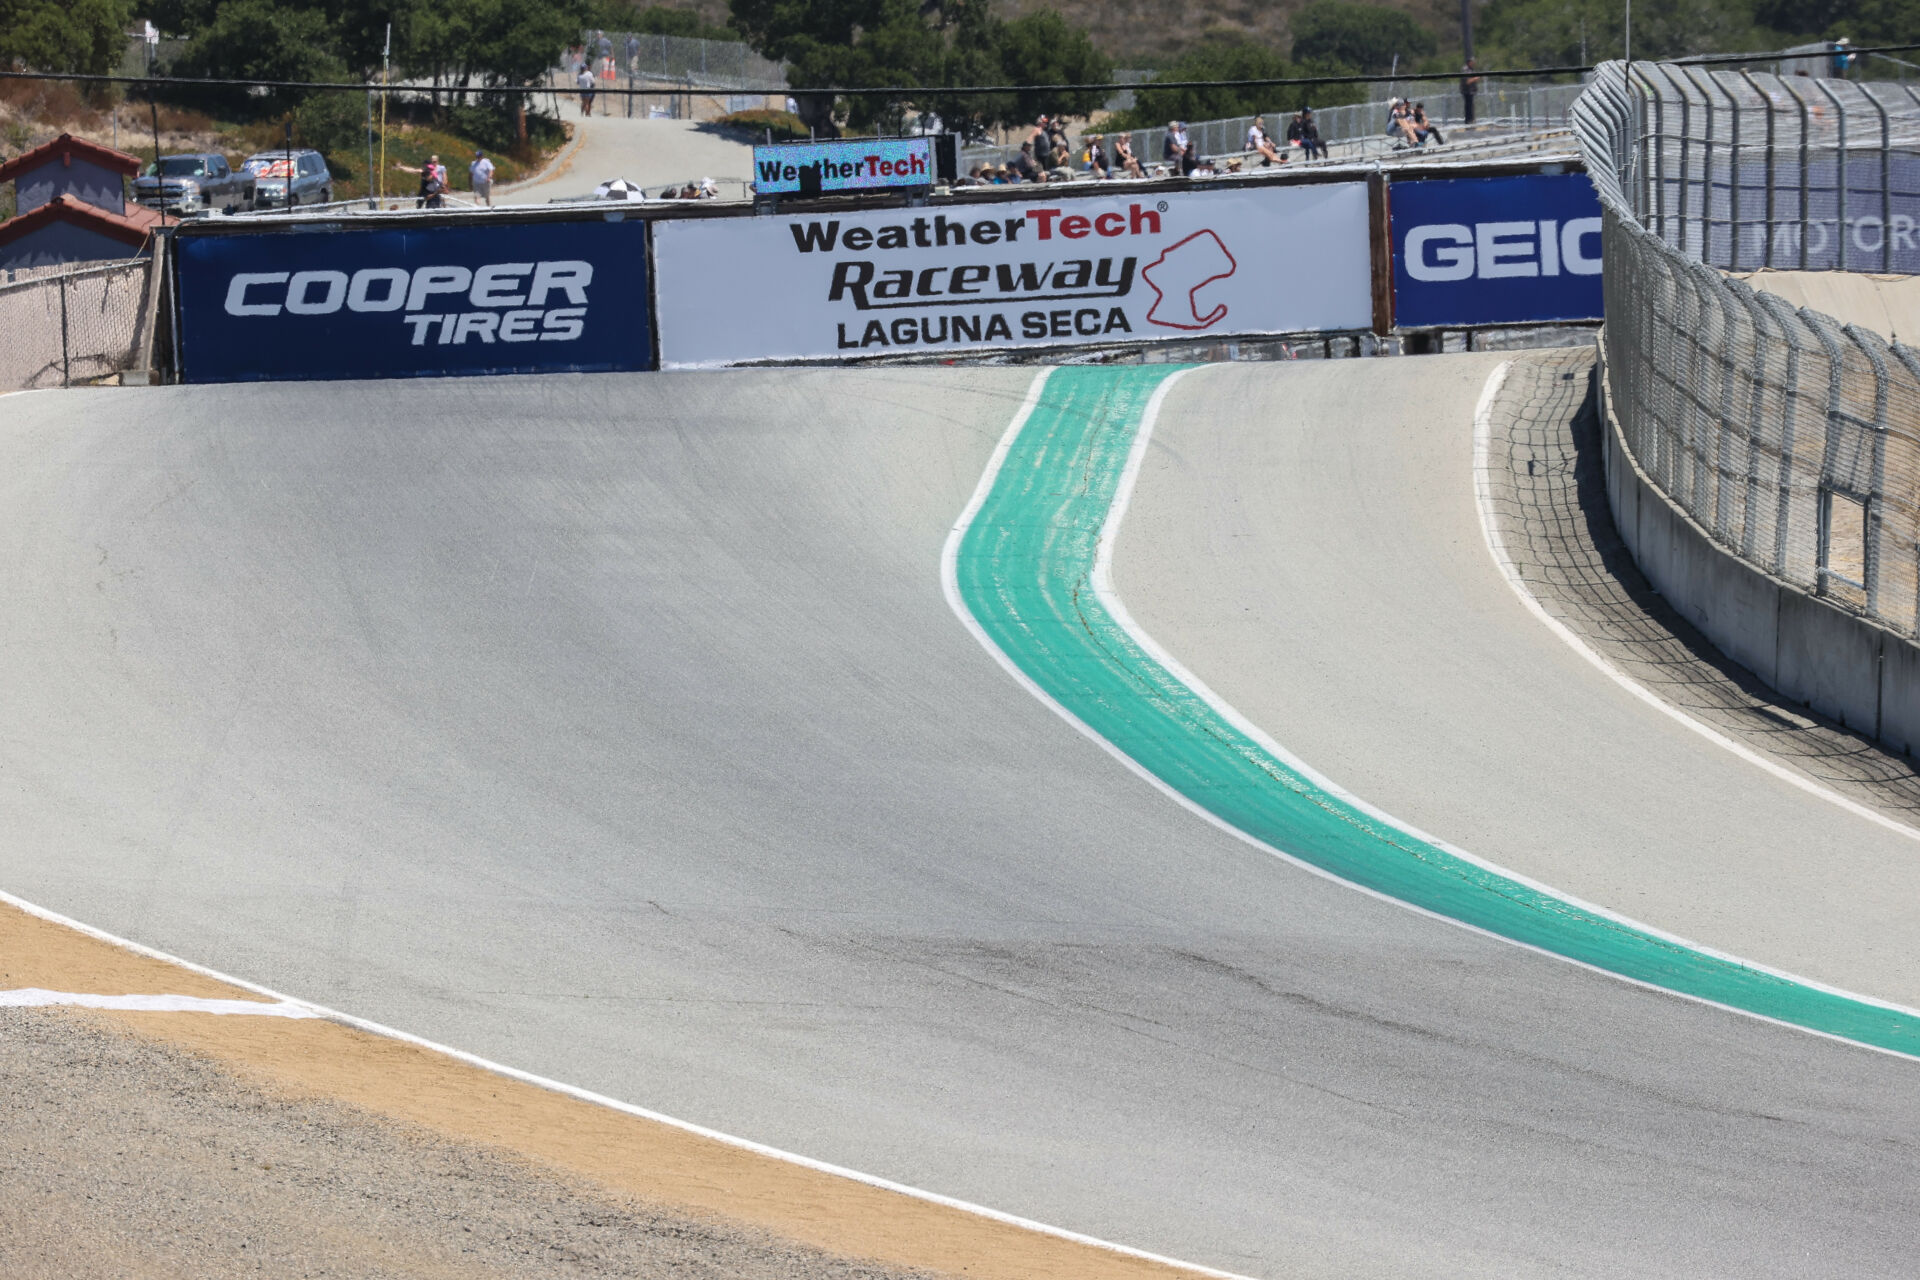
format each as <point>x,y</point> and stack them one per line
<point>1791,438</point>
<point>72,328</point>
<point>713,64</point>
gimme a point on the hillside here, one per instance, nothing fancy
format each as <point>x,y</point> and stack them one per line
<point>1149,33</point>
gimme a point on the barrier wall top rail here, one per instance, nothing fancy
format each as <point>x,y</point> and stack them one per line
<point>1791,438</point>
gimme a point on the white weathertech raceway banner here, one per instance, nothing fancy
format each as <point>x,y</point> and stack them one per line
<point>1049,273</point>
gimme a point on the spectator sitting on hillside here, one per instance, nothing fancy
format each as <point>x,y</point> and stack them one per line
<point>1424,127</point>
<point>1123,158</point>
<point>1261,144</point>
<point>1302,132</point>
<point>1041,141</point>
<point>1026,166</point>
<point>1097,156</point>
<point>1177,150</point>
<point>1400,124</point>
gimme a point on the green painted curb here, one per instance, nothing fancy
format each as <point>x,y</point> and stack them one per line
<point>1024,568</point>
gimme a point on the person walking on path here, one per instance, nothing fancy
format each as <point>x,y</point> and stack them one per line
<point>585,81</point>
<point>1469,85</point>
<point>481,172</point>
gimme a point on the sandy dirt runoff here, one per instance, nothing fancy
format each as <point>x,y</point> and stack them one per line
<point>190,1144</point>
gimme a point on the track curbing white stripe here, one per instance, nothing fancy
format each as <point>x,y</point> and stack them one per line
<point>40,998</point>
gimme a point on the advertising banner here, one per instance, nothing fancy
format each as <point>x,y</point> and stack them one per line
<point>411,302</point>
<point>1470,251</point>
<point>1117,269</point>
<point>858,164</point>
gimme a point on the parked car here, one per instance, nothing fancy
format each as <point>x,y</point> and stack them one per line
<point>198,183</point>
<point>312,183</point>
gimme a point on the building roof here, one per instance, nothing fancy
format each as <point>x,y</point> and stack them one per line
<point>131,228</point>
<point>68,145</point>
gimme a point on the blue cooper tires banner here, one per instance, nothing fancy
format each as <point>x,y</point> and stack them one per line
<point>1473,251</point>
<point>416,301</point>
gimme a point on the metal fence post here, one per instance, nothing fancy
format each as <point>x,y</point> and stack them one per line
<point>1790,324</point>
<point>1823,547</point>
<point>1869,345</point>
<point>1839,174</point>
<point>1766,232</point>
<point>66,346</point>
<point>1805,219</point>
<point>1886,179</point>
<point>1910,362</point>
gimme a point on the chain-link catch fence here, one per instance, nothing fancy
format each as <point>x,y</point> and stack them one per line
<point>1791,438</point>
<point>76,327</point>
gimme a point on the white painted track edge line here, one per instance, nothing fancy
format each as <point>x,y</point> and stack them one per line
<point>626,1108</point>
<point>1502,558</point>
<point>1103,590</point>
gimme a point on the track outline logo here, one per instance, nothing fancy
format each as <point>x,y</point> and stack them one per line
<point>1192,292</point>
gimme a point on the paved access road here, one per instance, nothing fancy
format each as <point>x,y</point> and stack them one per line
<point>647,152</point>
<point>615,727</point>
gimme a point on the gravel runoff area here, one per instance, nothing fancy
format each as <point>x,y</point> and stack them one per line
<point>126,1157</point>
<point>1550,499</point>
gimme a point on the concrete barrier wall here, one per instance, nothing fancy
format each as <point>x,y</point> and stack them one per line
<point>1810,650</point>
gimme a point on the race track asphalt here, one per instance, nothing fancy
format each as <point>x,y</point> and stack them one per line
<point>615,727</point>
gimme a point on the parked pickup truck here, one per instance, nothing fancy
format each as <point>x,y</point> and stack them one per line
<point>191,184</point>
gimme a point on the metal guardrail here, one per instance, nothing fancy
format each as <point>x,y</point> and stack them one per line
<point>77,326</point>
<point>1791,438</point>
<point>1350,131</point>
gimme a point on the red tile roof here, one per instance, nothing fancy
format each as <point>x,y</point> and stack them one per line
<point>64,145</point>
<point>132,229</point>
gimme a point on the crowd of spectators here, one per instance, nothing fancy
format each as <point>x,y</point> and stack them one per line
<point>1046,155</point>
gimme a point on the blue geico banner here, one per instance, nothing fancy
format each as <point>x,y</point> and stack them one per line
<point>414,301</point>
<point>1472,251</point>
<point>857,164</point>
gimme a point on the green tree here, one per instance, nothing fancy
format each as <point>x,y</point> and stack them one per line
<point>85,36</point>
<point>1519,33</point>
<point>1044,48</point>
<point>1364,37</point>
<point>664,20</point>
<point>259,40</point>
<point>1229,58</point>
<point>921,47</point>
